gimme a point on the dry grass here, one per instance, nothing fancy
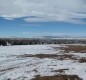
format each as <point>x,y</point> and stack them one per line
<point>67,49</point>
<point>52,56</point>
<point>75,48</point>
<point>58,77</point>
<point>82,60</point>
<point>60,70</point>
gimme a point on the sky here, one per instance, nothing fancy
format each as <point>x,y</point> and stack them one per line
<point>34,18</point>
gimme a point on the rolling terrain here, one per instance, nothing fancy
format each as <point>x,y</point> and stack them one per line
<point>43,62</point>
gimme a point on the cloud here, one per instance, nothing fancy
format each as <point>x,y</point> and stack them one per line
<point>73,11</point>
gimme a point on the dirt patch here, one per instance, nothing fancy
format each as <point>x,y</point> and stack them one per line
<point>74,48</point>
<point>58,77</point>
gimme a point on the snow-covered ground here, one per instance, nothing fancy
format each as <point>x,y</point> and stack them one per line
<point>19,68</point>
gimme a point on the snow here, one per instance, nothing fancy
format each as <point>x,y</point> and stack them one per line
<point>27,68</point>
<point>25,49</point>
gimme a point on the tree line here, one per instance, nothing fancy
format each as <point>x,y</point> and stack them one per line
<point>9,41</point>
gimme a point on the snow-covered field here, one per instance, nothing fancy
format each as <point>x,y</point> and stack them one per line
<point>26,68</point>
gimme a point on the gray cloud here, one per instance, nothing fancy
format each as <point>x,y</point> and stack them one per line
<point>72,11</point>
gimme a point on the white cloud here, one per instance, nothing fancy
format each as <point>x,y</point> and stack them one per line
<point>45,10</point>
